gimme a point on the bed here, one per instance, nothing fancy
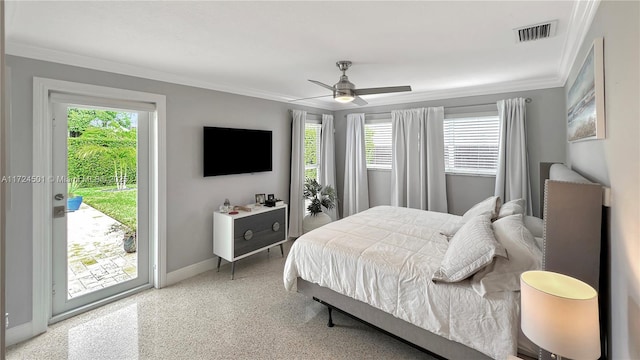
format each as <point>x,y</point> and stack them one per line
<point>399,269</point>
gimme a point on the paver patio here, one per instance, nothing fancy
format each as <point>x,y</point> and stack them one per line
<point>96,258</point>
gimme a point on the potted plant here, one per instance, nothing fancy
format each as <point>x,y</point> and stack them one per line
<point>129,236</point>
<point>73,201</point>
<point>319,197</point>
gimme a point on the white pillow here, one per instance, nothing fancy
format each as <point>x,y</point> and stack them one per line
<point>539,242</point>
<point>470,249</point>
<point>535,225</point>
<point>522,254</point>
<point>488,205</point>
<point>512,207</point>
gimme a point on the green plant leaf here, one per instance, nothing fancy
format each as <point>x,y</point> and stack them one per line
<point>320,196</point>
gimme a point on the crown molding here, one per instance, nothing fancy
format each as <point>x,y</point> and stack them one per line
<point>65,58</point>
<point>579,24</point>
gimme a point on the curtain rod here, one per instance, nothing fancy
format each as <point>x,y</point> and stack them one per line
<point>308,113</point>
<point>527,100</point>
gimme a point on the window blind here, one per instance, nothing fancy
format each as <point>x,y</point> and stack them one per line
<point>471,145</point>
<point>378,147</point>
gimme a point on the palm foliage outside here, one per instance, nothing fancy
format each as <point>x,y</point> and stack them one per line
<point>112,146</point>
<point>103,160</point>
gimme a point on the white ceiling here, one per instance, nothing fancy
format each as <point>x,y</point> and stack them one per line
<point>267,49</point>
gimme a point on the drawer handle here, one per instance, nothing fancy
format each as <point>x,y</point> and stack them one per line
<point>248,235</point>
<point>275,226</point>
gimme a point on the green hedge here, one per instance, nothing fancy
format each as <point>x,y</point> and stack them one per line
<point>93,155</point>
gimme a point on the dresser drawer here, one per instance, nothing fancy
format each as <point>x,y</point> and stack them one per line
<point>257,231</point>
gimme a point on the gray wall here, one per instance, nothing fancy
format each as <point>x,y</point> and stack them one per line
<point>615,162</point>
<point>191,198</point>
<point>546,137</point>
<point>465,191</point>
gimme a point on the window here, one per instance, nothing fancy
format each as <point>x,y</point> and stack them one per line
<point>471,144</point>
<point>377,139</point>
<point>311,149</point>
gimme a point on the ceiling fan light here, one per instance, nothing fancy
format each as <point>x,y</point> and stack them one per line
<point>344,95</point>
<point>345,98</point>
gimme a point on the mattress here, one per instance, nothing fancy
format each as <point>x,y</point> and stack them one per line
<point>386,256</point>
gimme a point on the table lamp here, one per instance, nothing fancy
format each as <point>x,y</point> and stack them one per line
<point>560,314</point>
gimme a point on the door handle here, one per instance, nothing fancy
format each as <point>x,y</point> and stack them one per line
<point>59,211</point>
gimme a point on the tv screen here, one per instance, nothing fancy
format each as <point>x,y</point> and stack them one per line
<point>236,151</point>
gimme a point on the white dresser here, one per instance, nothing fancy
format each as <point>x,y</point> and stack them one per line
<point>248,232</point>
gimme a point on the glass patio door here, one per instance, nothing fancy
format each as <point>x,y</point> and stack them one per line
<point>100,217</point>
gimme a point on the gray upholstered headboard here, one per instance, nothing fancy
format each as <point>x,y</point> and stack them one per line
<point>572,227</point>
<point>572,222</point>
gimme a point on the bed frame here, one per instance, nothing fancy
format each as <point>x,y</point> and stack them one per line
<point>572,241</point>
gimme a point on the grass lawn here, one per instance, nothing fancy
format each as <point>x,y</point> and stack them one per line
<point>120,205</point>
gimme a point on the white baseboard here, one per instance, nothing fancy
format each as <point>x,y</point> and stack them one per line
<point>19,333</point>
<point>191,270</point>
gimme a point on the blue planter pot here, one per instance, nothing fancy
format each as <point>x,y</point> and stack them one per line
<point>74,203</point>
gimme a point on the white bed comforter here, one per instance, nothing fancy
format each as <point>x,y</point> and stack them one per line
<point>385,257</point>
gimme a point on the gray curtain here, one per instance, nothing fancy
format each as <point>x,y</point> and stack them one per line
<point>296,200</point>
<point>327,159</point>
<point>512,177</point>
<point>417,170</point>
<point>356,185</point>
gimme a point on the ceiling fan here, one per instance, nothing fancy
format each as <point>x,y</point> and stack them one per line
<point>345,91</point>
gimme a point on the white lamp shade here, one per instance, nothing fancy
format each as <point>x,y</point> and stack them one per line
<point>560,314</point>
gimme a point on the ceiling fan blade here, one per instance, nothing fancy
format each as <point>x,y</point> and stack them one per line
<point>323,85</point>
<point>382,90</point>
<point>359,101</point>
<point>307,98</point>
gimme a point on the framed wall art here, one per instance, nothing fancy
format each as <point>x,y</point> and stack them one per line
<point>585,99</point>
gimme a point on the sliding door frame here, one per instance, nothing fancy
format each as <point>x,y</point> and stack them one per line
<point>42,191</point>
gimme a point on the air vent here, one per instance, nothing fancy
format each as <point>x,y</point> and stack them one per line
<point>536,32</point>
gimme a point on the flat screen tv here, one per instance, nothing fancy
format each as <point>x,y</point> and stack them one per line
<point>236,151</point>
